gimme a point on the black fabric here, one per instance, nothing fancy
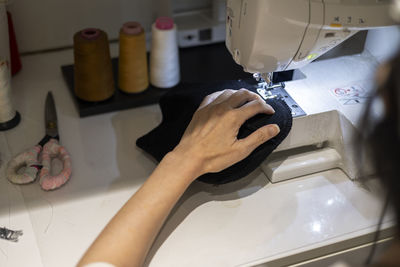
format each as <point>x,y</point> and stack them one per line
<point>178,107</point>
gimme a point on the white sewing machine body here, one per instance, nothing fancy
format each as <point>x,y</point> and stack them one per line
<point>276,35</point>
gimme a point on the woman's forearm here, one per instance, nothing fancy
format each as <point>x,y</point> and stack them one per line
<point>209,144</point>
<point>127,238</point>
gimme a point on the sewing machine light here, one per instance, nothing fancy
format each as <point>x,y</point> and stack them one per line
<point>311,56</point>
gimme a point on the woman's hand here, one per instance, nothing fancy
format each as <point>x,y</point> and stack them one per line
<point>209,144</point>
<point>211,137</point>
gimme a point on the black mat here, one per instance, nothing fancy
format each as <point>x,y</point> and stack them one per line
<point>208,63</point>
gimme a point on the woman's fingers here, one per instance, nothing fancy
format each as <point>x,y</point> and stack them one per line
<point>209,99</point>
<point>258,137</point>
<point>241,97</point>
<point>234,98</point>
<point>217,97</point>
<point>224,96</point>
<point>253,108</point>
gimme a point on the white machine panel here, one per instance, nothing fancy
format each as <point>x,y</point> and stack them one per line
<point>276,35</point>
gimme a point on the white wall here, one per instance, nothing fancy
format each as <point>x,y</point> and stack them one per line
<point>44,24</point>
<point>184,5</point>
<point>47,24</point>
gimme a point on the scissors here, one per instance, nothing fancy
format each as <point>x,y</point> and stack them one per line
<point>25,167</point>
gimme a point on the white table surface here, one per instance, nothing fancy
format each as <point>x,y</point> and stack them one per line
<point>246,222</point>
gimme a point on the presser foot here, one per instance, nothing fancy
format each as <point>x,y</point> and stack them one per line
<point>268,91</point>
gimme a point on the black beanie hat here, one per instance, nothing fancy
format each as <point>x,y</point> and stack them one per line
<point>178,107</point>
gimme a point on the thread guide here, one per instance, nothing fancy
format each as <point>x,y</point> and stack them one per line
<point>198,64</point>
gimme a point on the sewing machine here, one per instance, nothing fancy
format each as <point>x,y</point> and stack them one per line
<point>266,36</point>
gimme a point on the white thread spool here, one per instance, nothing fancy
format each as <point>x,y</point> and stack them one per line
<point>9,117</point>
<point>7,111</point>
<point>164,56</point>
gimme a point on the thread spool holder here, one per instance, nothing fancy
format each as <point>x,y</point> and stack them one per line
<point>4,126</point>
<point>198,64</point>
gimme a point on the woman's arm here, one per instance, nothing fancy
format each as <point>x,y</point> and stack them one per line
<point>209,144</point>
